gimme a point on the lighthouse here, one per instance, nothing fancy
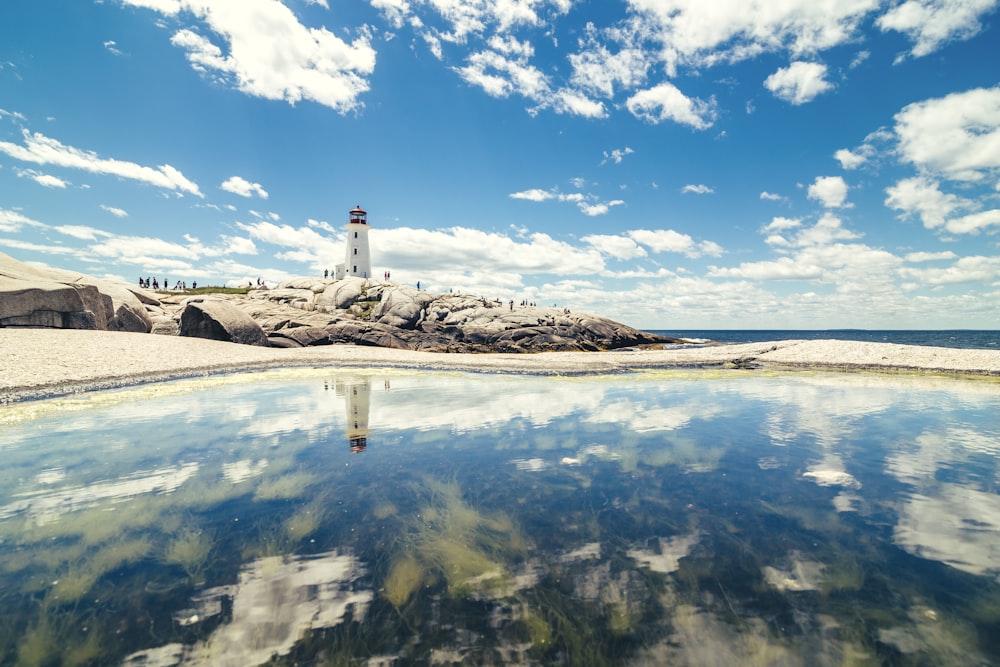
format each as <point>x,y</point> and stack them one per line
<point>357,260</point>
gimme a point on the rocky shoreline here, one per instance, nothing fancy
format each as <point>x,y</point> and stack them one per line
<point>62,333</point>
<point>306,312</point>
<point>42,363</point>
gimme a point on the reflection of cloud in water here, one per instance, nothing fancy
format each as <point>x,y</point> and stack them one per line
<point>797,575</point>
<point>243,470</point>
<point>642,416</point>
<point>933,451</point>
<point>958,526</point>
<point>274,602</point>
<point>50,505</point>
<point>667,557</point>
<point>953,522</point>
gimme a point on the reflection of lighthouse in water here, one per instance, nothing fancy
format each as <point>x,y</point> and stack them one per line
<point>357,392</point>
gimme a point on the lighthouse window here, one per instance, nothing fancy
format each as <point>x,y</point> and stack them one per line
<point>355,251</point>
<point>355,235</point>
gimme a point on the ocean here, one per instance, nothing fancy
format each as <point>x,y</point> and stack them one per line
<point>957,338</point>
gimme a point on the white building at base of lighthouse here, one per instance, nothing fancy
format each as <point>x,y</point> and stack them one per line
<point>357,259</point>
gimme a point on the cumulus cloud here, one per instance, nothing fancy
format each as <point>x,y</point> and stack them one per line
<point>956,136</point>
<point>849,160</point>
<point>780,224</point>
<point>668,240</point>
<point>269,53</point>
<point>770,196</point>
<point>46,180</point>
<point>619,247</point>
<point>933,23</point>
<point>13,221</point>
<point>665,102</point>
<point>799,83</point>
<point>117,212</point>
<point>783,268</point>
<point>505,69</point>
<point>535,253</point>
<point>699,189</point>
<point>616,155</point>
<point>587,203</point>
<point>242,187</point>
<point>40,149</point>
<point>972,269</point>
<point>929,256</point>
<point>830,191</point>
<point>700,34</point>
<point>922,196</point>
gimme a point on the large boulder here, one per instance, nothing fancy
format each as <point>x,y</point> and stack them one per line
<point>402,307</point>
<point>55,298</point>
<point>218,319</point>
<point>341,295</point>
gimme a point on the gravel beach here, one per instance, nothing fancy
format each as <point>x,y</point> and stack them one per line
<point>38,363</point>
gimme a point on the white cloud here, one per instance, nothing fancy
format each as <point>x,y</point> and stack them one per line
<point>922,196</point>
<point>12,221</point>
<point>82,232</point>
<point>425,251</point>
<point>668,240</point>
<point>46,180</point>
<point>587,203</point>
<point>617,155</point>
<point>830,191</point>
<point>619,247</point>
<point>783,268</point>
<point>534,194</point>
<point>40,149</point>
<point>242,187</point>
<point>974,223</point>
<point>599,71</point>
<point>932,23</point>
<point>929,256</point>
<point>697,189</point>
<point>665,102</point>
<point>770,196</point>
<point>574,103</point>
<point>505,69</point>
<point>780,224</point>
<point>827,230</point>
<point>699,33</point>
<point>973,269</point>
<point>957,136</point>
<point>599,208</point>
<point>117,212</point>
<point>849,160</point>
<point>798,83</point>
<point>269,53</point>
<point>112,47</point>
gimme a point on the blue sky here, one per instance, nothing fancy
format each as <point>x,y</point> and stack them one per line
<point>668,163</point>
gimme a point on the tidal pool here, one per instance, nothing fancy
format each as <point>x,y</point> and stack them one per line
<point>312,517</point>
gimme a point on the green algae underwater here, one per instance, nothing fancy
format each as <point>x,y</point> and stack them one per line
<point>395,518</point>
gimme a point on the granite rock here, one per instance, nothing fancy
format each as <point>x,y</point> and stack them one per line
<point>55,298</point>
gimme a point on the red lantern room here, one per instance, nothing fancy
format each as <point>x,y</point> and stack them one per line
<point>359,216</point>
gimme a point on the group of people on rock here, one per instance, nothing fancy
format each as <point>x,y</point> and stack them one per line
<point>153,283</point>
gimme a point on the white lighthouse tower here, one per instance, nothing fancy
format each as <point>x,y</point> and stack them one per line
<point>357,261</point>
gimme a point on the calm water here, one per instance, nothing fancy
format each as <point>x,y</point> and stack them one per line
<point>959,338</point>
<point>685,519</point>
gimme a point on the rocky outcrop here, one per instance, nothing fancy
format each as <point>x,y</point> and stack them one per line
<point>369,312</point>
<point>218,319</point>
<point>304,312</point>
<point>54,298</point>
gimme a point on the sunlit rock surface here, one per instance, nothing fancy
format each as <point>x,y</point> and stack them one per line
<point>54,298</point>
<point>305,312</point>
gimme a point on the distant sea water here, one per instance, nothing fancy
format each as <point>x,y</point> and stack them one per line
<point>958,338</point>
